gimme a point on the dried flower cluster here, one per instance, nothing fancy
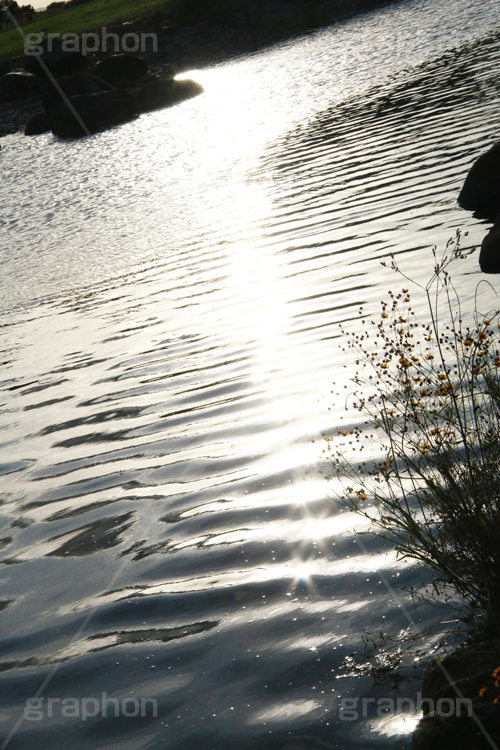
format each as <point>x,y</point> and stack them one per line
<point>429,395</point>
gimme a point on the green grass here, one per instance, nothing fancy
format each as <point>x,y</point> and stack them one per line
<point>272,20</point>
<point>89,17</point>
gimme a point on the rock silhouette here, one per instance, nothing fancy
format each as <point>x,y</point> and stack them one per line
<point>489,256</point>
<point>90,113</point>
<point>121,67</point>
<point>481,190</point>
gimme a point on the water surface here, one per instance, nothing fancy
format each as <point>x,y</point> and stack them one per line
<point>171,294</point>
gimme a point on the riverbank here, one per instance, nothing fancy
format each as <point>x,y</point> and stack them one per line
<point>189,38</point>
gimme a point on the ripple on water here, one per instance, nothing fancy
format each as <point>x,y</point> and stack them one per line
<point>164,529</point>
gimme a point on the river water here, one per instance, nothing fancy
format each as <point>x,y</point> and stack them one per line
<point>171,292</point>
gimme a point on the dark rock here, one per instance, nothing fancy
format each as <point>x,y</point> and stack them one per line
<point>81,83</point>
<point>489,257</point>
<point>121,67</point>
<point>470,668</point>
<point>54,59</point>
<point>452,705</point>
<point>165,92</point>
<point>436,732</point>
<point>94,112</point>
<point>21,82</point>
<point>6,67</point>
<point>76,84</point>
<point>481,189</point>
<point>38,124</point>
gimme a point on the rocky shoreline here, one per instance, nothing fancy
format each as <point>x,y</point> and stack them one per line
<point>184,46</point>
<point>179,50</point>
<point>15,115</point>
<point>461,701</point>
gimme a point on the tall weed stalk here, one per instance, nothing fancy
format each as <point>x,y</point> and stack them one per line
<point>429,395</point>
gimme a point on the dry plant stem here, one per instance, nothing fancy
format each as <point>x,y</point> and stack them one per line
<point>434,395</point>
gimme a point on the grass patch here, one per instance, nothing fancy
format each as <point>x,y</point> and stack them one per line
<point>269,19</point>
<point>88,17</point>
